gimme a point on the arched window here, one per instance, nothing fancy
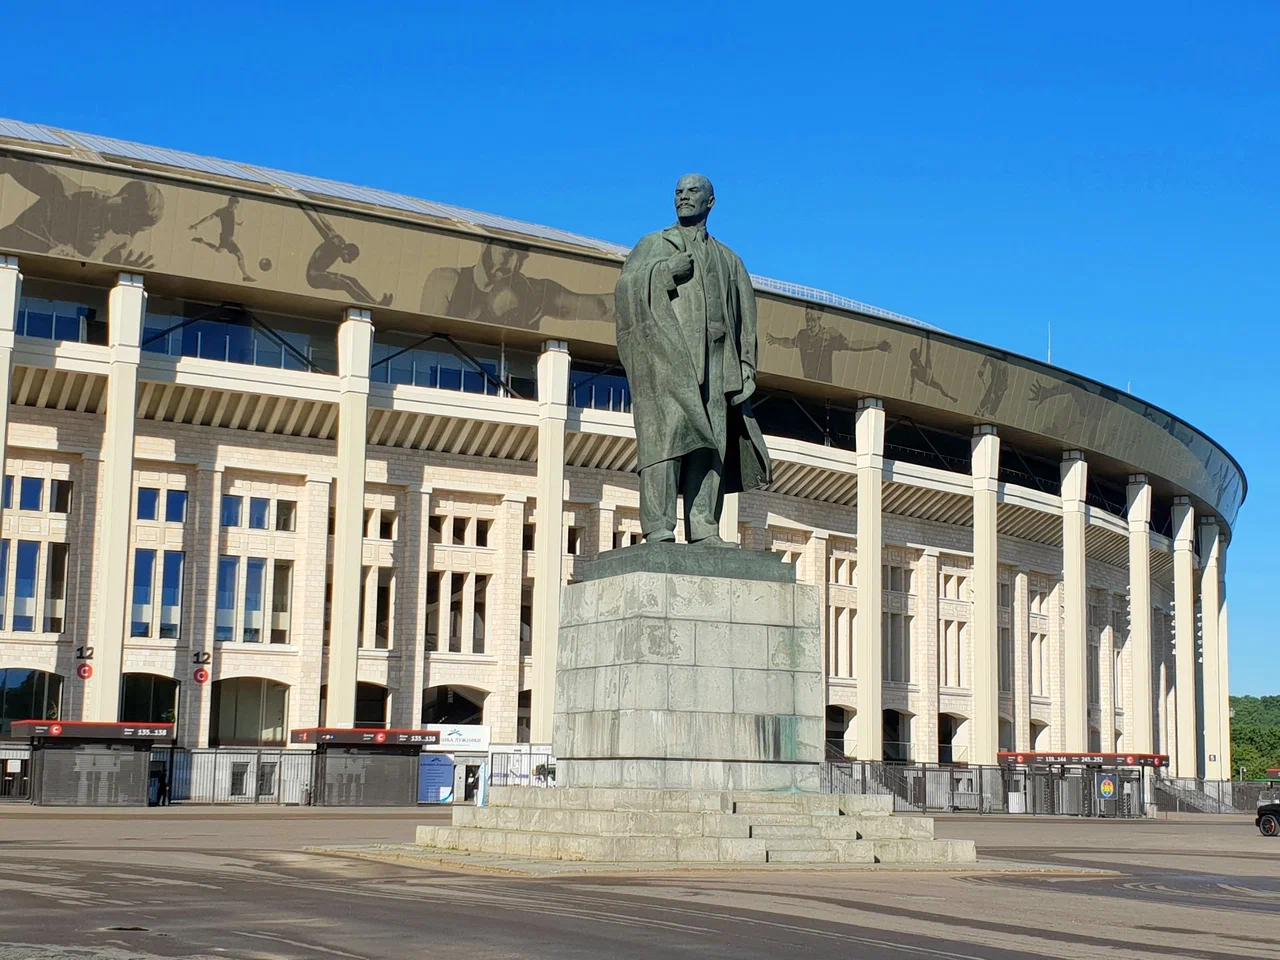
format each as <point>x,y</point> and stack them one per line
<point>147,698</point>
<point>248,712</point>
<point>28,695</point>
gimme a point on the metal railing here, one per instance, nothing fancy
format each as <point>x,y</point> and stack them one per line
<point>1188,795</point>
<point>219,775</point>
<point>521,770</point>
<point>943,788</point>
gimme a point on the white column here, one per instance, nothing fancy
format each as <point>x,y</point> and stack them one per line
<point>1184,761</point>
<point>548,537</point>
<point>1217,766</point>
<point>126,307</point>
<point>1138,727</point>
<point>10,293</point>
<point>869,441</point>
<point>1075,473</point>
<point>984,727</point>
<point>1022,661</point>
<point>355,341</point>
<point>1224,695</point>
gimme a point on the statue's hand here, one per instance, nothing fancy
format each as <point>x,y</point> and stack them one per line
<point>681,266</point>
<point>748,387</point>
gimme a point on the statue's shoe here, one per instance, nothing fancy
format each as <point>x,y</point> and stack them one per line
<point>713,541</point>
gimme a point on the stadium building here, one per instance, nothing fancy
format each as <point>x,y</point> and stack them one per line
<point>284,453</point>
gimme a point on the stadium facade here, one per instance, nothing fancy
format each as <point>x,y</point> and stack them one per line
<point>284,453</point>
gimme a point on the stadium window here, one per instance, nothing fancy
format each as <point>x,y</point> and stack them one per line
<point>482,532</point>
<point>281,600</point>
<point>144,568</point>
<point>55,589</point>
<point>259,513</point>
<point>31,494</point>
<point>24,595</point>
<point>60,496</point>
<point>286,516</point>
<point>231,510</point>
<point>148,503</point>
<point>171,595</point>
<point>175,506</point>
<point>224,627</point>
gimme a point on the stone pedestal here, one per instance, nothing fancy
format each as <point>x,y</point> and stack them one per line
<point>689,668</point>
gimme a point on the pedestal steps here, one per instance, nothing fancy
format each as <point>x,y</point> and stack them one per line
<point>622,826</point>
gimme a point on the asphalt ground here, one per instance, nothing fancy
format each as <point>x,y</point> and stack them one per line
<point>240,882</point>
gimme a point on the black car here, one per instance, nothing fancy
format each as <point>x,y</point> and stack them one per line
<point>1269,818</point>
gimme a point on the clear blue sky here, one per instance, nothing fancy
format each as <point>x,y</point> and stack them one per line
<point>1111,168</point>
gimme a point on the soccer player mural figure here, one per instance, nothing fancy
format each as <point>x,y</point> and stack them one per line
<point>687,339</point>
<point>496,290</point>
<point>70,220</point>
<point>995,374</point>
<point>817,343</point>
<point>922,371</point>
<point>334,247</point>
<point>227,223</point>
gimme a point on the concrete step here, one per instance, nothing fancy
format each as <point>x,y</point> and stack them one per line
<point>770,831</point>
<point>924,851</point>
<point>802,850</point>
<point>594,849</point>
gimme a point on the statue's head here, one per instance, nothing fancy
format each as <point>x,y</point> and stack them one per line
<point>694,199</point>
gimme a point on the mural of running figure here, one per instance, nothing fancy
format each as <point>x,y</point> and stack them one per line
<point>922,371</point>
<point>227,223</point>
<point>817,342</point>
<point>333,247</point>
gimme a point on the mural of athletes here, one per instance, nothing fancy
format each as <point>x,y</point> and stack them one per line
<point>227,223</point>
<point>496,290</point>
<point>818,341</point>
<point>65,218</point>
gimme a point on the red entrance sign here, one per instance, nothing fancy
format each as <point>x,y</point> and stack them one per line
<point>201,675</point>
<point>84,671</point>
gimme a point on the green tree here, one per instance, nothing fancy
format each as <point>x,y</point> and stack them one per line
<point>1255,735</point>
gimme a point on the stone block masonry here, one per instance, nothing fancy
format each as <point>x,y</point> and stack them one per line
<point>668,679</point>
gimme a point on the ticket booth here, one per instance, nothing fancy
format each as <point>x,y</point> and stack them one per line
<point>358,768</point>
<point>92,764</point>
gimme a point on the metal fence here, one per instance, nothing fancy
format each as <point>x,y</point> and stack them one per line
<point>522,770</point>
<point>941,788</point>
<point>235,776</point>
<point>15,774</point>
<point>1187,795</point>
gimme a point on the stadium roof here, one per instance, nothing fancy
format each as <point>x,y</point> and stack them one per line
<point>118,150</point>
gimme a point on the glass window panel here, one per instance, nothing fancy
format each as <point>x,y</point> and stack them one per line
<point>526,619</point>
<point>231,510</point>
<point>175,506</point>
<point>386,525</point>
<point>31,494</point>
<point>281,600</point>
<point>286,515</point>
<point>55,590</point>
<point>4,580</point>
<point>224,620</point>
<point>60,496</point>
<point>455,612</point>
<point>433,611</point>
<point>478,616</point>
<point>385,601</point>
<point>8,492</point>
<point>259,512</point>
<point>148,503</point>
<point>482,532</point>
<point>144,564</point>
<point>171,595</point>
<point>24,598</point>
<point>255,574</point>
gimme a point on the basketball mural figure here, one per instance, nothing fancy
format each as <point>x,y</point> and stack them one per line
<point>817,343</point>
<point>497,290</point>
<point>687,339</point>
<point>334,247</point>
<point>69,220</point>
<point>227,223</point>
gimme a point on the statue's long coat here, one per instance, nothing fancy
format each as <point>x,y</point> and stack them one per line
<point>662,346</point>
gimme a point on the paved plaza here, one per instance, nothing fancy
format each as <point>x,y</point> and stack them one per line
<point>232,882</point>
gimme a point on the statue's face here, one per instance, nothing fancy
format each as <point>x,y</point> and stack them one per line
<point>694,198</point>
